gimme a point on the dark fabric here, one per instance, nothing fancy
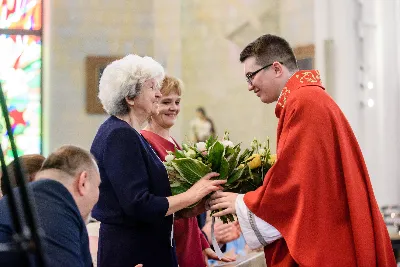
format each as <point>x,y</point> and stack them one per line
<point>318,194</point>
<point>132,203</point>
<point>66,242</point>
<point>201,219</point>
<point>190,241</point>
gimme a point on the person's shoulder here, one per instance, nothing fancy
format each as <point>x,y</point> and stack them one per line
<point>47,184</point>
<point>55,205</point>
<point>310,97</point>
<point>120,130</point>
<point>111,124</point>
<point>50,191</point>
<point>124,136</point>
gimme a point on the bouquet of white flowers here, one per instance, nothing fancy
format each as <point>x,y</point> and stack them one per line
<point>244,171</point>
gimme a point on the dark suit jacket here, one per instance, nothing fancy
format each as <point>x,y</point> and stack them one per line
<point>132,204</point>
<point>65,241</point>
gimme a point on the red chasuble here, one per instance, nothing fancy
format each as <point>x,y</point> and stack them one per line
<point>318,194</point>
<point>190,241</point>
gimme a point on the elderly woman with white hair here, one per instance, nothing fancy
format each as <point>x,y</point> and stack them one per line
<point>135,206</point>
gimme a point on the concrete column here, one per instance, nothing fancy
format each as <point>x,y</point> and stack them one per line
<point>387,93</point>
<point>357,53</point>
<point>336,53</point>
<point>168,45</point>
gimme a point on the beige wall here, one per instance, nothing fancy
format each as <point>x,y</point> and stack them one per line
<point>198,41</point>
<point>297,21</point>
<point>75,29</point>
<point>213,34</point>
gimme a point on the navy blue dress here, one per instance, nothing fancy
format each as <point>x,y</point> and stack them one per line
<point>65,241</point>
<point>132,203</point>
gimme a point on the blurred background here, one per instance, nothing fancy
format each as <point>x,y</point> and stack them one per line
<point>52,53</point>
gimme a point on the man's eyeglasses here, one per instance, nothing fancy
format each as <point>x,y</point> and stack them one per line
<point>250,76</point>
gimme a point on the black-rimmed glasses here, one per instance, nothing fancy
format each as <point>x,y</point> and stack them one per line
<point>250,76</point>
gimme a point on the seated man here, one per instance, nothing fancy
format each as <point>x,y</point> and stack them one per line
<point>65,191</point>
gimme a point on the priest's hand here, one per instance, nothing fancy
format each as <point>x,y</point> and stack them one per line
<point>223,200</point>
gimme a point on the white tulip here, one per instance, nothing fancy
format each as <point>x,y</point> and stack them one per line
<point>227,143</point>
<point>201,146</point>
<point>190,153</point>
<point>169,158</point>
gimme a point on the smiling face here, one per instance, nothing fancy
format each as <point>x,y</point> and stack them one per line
<point>147,100</point>
<point>169,108</point>
<point>267,84</point>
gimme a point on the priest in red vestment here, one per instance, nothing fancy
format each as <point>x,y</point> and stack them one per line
<point>316,206</point>
<point>192,248</point>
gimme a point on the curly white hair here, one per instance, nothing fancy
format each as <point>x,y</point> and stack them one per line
<point>123,78</point>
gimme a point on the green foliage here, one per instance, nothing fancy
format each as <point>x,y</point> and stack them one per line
<point>243,170</point>
<point>190,169</point>
<point>215,155</point>
<point>223,169</point>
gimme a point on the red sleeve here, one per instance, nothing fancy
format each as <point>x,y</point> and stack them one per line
<point>203,239</point>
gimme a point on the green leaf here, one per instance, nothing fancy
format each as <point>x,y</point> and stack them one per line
<point>229,151</point>
<point>235,176</point>
<point>225,218</point>
<point>175,184</point>
<point>191,169</point>
<point>178,190</point>
<point>210,141</point>
<point>223,169</point>
<point>179,187</point>
<point>257,179</point>
<point>245,155</point>
<point>233,160</point>
<point>215,155</point>
<point>179,154</point>
<point>246,187</point>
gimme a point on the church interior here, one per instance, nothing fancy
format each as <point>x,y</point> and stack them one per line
<point>53,53</point>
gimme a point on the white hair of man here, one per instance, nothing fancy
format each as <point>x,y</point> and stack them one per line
<point>123,78</point>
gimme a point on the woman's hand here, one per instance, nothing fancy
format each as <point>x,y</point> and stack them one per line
<point>223,232</point>
<point>197,192</point>
<point>210,254</point>
<point>205,186</point>
<point>225,201</point>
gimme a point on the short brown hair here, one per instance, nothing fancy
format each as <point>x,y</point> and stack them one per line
<point>171,85</point>
<point>269,48</point>
<point>31,164</point>
<point>69,159</point>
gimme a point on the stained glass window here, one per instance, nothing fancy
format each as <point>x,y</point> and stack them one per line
<point>21,14</point>
<point>20,73</point>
